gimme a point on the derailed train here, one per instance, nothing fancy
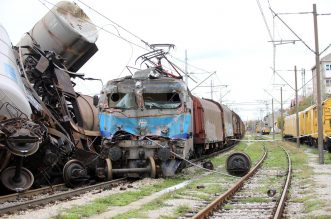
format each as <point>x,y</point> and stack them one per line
<point>46,128</point>
<point>144,124</point>
<point>151,122</point>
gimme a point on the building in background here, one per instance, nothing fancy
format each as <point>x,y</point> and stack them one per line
<point>325,66</point>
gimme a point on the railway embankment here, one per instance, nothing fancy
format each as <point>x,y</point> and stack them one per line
<point>194,188</point>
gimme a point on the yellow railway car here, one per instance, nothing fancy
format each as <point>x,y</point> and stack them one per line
<point>308,129</point>
<point>264,130</point>
<point>290,126</point>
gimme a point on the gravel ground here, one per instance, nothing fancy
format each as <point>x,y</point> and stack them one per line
<point>311,192</point>
<point>322,186</point>
<point>51,210</point>
<point>321,179</point>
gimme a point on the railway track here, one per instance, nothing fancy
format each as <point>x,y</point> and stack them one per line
<point>12,203</point>
<point>42,196</point>
<point>239,200</point>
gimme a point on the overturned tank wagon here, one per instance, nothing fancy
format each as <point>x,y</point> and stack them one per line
<point>48,132</point>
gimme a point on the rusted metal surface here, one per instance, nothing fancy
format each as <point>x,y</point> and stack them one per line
<point>30,193</point>
<point>212,121</point>
<point>199,129</point>
<point>228,125</point>
<point>89,112</point>
<point>281,203</point>
<point>208,210</point>
<point>236,124</point>
<point>67,31</point>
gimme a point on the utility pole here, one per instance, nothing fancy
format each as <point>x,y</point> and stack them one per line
<point>281,112</point>
<point>273,119</point>
<point>297,107</point>
<point>319,101</point>
<point>303,72</point>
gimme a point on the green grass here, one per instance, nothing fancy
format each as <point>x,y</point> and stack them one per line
<point>276,159</point>
<point>255,199</point>
<point>313,205</point>
<point>304,173</point>
<point>101,204</point>
<point>182,209</point>
<point>327,158</point>
<point>156,204</point>
<point>321,217</point>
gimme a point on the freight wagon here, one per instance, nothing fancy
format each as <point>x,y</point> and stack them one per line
<point>308,128</point>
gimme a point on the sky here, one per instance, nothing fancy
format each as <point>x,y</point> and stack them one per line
<point>229,37</point>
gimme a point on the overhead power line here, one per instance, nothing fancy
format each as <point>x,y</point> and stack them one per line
<point>115,24</point>
<point>126,30</point>
<point>294,13</point>
<point>99,27</point>
<point>139,38</point>
<point>288,27</point>
<point>264,19</point>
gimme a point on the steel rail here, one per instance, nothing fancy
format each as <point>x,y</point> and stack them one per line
<point>49,189</point>
<point>223,150</point>
<point>207,211</point>
<point>32,192</point>
<point>56,197</point>
<point>281,204</point>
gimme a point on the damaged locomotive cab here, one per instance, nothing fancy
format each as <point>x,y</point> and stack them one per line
<point>146,122</point>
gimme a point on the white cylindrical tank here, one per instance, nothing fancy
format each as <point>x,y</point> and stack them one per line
<point>67,31</point>
<point>13,101</point>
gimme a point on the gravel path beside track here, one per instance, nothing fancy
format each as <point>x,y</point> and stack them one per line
<point>315,189</point>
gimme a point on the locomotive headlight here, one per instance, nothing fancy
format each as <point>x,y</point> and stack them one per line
<point>165,130</point>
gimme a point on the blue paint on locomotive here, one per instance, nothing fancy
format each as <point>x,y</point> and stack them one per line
<point>174,126</point>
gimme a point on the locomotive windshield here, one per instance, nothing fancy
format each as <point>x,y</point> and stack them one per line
<point>161,100</point>
<point>122,101</point>
<point>151,100</point>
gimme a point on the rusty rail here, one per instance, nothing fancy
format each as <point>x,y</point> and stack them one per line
<point>207,211</point>
<point>31,192</point>
<point>55,197</point>
<point>281,203</point>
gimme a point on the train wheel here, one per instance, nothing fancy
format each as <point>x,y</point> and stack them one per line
<point>109,169</point>
<point>4,158</point>
<point>74,173</point>
<point>238,164</point>
<point>152,166</point>
<point>22,149</point>
<point>23,183</point>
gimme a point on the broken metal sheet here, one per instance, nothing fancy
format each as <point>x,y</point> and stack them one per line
<point>173,126</point>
